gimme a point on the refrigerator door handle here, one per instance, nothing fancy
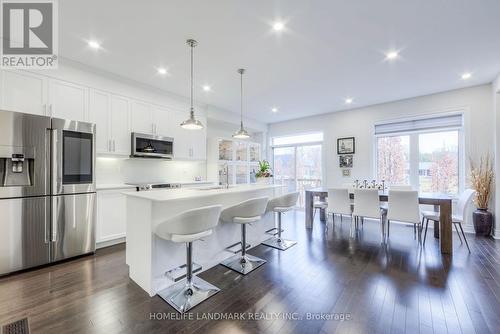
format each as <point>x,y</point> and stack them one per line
<point>54,218</point>
<point>54,163</point>
<point>46,232</point>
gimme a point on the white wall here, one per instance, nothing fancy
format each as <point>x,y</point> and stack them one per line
<point>496,106</point>
<point>119,170</point>
<point>475,102</point>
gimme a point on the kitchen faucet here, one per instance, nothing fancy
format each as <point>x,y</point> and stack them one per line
<point>225,171</point>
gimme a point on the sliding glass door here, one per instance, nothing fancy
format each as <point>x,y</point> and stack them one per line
<point>298,166</point>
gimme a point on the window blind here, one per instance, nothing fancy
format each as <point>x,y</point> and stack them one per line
<point>421,124</point>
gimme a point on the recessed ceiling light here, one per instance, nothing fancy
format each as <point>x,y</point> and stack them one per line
<point>207,88</point>
<point>392,55</point>
<point>278,26</point>
<point>348,100</point>
<point>466,76</point>
<point>94,45</point>
<point>162,71</point>
<point>274,109</point>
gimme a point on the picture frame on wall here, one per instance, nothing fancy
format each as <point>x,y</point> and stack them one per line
<point>346,145</point>
<point>345,161</point>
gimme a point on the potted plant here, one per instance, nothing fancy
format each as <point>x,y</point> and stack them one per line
<point>482,180</point>
<point>264,174</point>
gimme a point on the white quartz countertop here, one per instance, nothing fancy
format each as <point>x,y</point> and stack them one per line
<point>180,193</point>
<point>113,186</point>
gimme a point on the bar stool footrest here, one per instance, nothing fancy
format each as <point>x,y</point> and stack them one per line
<point>274,231</point>
<point>179,273</point>
<point>231,249</point>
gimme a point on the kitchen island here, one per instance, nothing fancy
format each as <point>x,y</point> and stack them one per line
<point>150,257</point>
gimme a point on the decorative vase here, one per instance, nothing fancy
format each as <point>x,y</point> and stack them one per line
<point>264,180</point>
<point>483,222</point>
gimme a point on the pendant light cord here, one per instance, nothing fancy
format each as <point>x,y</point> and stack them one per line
<point>192,82</point>
<point>241,99</point>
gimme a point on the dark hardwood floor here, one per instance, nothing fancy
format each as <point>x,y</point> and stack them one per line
<point>395,289</point>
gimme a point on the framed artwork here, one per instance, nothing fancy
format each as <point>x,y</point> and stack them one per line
<point>346,172</point>
<point>345,161</point>
<point>345,145</point>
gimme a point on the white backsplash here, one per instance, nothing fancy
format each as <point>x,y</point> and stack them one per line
<point>122,170</point>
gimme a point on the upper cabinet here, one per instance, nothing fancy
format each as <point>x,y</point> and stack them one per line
<point>36,94</point>
<point>68,100</point>
<point>161,121</point>
<point>141,119</point>
<point>115,115</point>
<point>99,113</point>
<point>23,92</point>
<point>110,113</point>
<point>188,144</point>
<point>241,157</point>
<point>120,125</point>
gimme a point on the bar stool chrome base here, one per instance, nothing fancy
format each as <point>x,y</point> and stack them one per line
<point>183,297</point>
<point>281,244</point>
<point>243,264</point>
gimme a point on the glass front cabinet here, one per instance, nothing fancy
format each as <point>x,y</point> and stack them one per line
<point>239,158</point>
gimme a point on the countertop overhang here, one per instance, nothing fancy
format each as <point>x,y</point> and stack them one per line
<point>176,194</point>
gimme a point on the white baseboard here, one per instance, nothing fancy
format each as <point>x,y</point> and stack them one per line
<point>108,243</point>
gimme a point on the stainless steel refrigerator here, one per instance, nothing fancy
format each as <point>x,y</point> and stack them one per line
<point>47,190</point>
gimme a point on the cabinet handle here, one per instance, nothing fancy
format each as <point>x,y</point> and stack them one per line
<point>45,109</point>
<point>114,147</point>
<point>109,145</point>
<point>50,110</point>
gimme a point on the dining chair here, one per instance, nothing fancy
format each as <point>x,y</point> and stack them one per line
<point>367,206</point>
<point>404,207</point>
<point>339,203</point>
<point>463,204</point>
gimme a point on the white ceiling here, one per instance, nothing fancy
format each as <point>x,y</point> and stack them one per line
<point>330,49</point>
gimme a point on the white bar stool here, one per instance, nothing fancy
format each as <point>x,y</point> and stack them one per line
<point>246,212</point>
<point>187,227</point>
<point>280,205</point>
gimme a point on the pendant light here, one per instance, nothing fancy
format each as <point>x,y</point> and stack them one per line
<point>241,133</point>
<point>191,123</point>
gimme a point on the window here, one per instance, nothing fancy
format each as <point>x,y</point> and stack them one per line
<point>438,162</point>
<point>424,153</point>
<point>393,159</point>
<point>297,162</point>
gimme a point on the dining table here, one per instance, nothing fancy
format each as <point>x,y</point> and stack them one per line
<point>441,202</point>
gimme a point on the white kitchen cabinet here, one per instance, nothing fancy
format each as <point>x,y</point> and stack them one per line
<point>141,119</point>
<point>110,113</point>
<point>111,215</point>
<point>242,157</point>
<point>68,100</point>
<point>188,144</point>
<point>161,119</point>
<point>199,142</point>
<point>99,113</point>
<point>120,125</point>
<point>23,92</point>
<point>182,137</point>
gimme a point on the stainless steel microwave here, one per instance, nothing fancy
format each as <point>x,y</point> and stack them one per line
<point>151,146</point>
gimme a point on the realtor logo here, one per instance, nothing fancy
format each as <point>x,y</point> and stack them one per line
<point>29,34</point>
